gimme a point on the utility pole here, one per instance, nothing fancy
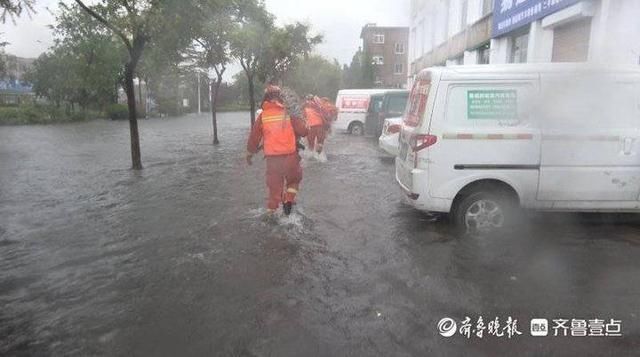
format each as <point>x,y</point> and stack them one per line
<point>199,108</point>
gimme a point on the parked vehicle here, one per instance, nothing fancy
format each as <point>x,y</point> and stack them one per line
<point>352,107</point>
<point>479,141</point>
<point>391,104</point>
<point>389,139</point>
<point>373,113</point>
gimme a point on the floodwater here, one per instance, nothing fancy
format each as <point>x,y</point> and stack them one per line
<point>96,259</point>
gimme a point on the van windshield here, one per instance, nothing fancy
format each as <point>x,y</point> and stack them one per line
<point>417,102</point>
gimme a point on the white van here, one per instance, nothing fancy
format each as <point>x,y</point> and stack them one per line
<point>479,141</point>
<point>353,105</point>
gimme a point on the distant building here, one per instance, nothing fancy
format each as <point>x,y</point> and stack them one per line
<point>387,48</point>
<point>13,88</point>
<point>15,69</point>
<point>462,32</point>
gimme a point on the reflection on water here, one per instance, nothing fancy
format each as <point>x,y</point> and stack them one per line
<point>177,260</point>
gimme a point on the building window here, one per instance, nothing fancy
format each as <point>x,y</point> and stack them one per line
<point>398,68</point>
<point>484,54</point>
<point>519,44</point>
<point>378,39</point>
<point>571,41</point>
<point>399,48</point>
<point>379,60</point>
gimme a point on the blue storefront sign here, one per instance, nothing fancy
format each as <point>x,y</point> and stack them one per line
<point>509,15</point>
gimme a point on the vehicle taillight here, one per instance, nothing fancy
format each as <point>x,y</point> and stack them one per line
<point>392,129</point>
<point>422,141</point>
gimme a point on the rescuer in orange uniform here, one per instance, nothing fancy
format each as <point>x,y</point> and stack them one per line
<point>316,121</point>
<point>278,131</point>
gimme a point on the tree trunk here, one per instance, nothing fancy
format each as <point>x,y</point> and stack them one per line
<point>133,122</point>
<point>214,105</point>
<point>140,93</point>
<point>252,101</point>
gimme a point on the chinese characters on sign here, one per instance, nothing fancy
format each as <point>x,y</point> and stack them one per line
<point>508,328</point>
<point>355,103</point>
<point>492,104</point>
<point>513,14</point>
<point>586,328</point>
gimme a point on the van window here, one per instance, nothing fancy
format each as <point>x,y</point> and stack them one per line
<point>417,102</point>
<point>476,105</point>
<point>397,104</point>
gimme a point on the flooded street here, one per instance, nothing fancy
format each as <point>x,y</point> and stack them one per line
<point>96,259</point>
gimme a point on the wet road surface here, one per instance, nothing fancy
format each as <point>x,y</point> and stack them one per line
<point>96,259</point>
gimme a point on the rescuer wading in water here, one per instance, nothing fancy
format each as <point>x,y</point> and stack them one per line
<point>319,114</point>
<point>278,131</point>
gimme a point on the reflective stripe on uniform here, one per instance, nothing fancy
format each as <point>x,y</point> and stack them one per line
<point>275,118</point>
<point>292,190</point>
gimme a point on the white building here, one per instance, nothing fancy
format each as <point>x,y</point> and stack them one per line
<point>445,32</point>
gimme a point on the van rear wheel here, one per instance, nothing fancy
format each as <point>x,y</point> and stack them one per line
<point>484,212</point>
<point>356,129</point>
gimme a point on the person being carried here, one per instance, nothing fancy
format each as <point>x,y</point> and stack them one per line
<point>278,132</point>
<point>317,123</point>
<point>330,114</point>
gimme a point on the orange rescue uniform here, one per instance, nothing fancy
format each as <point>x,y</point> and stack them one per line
<point>278,131</point>
<point>317,132</point>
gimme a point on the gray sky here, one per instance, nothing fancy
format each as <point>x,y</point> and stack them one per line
<point>339,21</point>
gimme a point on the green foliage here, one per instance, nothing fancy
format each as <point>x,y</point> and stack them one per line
<point>240,87</point>
<point>360,74</point>
<point>84,65</point>
<point>250,38</point>
<point>315,75</point>
<point>117,112</point>
<point>287,46</point>
<point>171,87</point>
<point>38,114</point>
<point>14,8</point>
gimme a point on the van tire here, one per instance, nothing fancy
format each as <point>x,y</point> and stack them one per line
<point>486,210</point>
<point>356,129</point>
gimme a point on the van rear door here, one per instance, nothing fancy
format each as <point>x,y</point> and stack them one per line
<point>414,134</point>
